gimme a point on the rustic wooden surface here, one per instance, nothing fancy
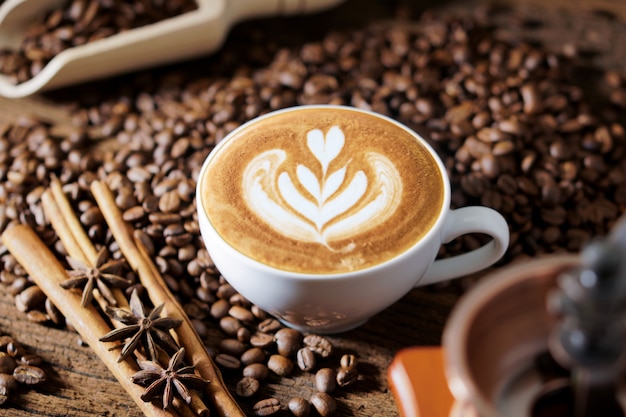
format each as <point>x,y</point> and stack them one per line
<point>79,385</point>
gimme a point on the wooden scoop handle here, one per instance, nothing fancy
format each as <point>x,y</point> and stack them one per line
<point>417,380</point>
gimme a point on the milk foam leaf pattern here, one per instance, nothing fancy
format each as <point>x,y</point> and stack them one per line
<point>102,275</point>
<point>388,193</point>
<point>330,208</point>
<point>308,180</point>
<point>148,329</point>
<point>321,211</point>
<point>326,148</point>
<point>333,182</point>
<point>265,201</point>
<point>345,200</point>
<point>167,383</point>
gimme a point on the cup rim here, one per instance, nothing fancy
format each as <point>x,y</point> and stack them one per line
<point>445,205</point>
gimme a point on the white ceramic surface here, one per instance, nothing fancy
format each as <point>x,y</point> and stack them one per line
<point>182,37</point>
<point>330,303</point>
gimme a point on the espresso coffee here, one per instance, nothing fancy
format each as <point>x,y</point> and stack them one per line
<point>322,190</point>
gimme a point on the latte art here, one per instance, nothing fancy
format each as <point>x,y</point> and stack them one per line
<point>322,190</point>
<point>333,207</point>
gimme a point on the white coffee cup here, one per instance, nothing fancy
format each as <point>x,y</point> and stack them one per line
<point>330,302</point>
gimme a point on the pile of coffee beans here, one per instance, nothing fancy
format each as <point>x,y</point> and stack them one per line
<point>17,368</point>
<point>515,129</point>
<point>78,23</point>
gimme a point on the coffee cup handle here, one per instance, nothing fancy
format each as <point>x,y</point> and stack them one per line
<point>473,219</point>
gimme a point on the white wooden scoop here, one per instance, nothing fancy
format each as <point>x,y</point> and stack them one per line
<point>185,36</point>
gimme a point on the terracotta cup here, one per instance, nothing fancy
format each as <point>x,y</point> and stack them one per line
<point>486,367</point>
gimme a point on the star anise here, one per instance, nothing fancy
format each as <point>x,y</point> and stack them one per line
<point>169,382</point>
<point>101,276</point>
<point>148,328</point>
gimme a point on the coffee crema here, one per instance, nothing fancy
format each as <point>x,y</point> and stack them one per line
<point>322,190</point>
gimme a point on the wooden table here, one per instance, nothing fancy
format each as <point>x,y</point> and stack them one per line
<point>80,385</point>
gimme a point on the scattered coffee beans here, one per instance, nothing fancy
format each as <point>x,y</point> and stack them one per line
<point>267,407</point>
<point>288,341</point>
<point>347,376</point>
<point>247,386</point>
<point>319,345</point>
<point>305,358</point>
<point>514,130</point>
<point>257,371</point>
<point>299,407</point>
<point>17,368</point>
<point>324,404</point>
<point>280,365</point>
<point>326,380</point>
<point>29,375</point>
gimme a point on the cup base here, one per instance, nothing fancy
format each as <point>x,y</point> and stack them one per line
<point>323,329</point>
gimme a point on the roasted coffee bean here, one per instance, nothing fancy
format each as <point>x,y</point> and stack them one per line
<point>91,216</point>
<point>31,359</point>
<point>8,381</point>
<point>253,355</point>
<point>230,325</point>
<point>225,291</point>
<point>267,407</point>
<point>5,341</point>
<point>348,361</point>
<point>305,358</point>
<point>36,316</point>
<point>299,407</point>
<point>247,387</point>
<point>134,214</point>
<point>261,340</point>
<point>227,361</point>
<point>29,375</point>
<point>269,325</point>
<point>4,394</point>
<point>288,341</point>
<point>241,313</point>
<point>15,350</point>
<point>169,202</point>
<point>220,309</point>
<point>232,347</point>
<point>257,371</point>
<point>239,300</point>
<point>243,335</point>
<point>7,363</point>
<point>347,375</point>
<point>324,404</point>
<point>258,313</point>
<point>280,365</point>
<point>18,285</point>
<point>319,345</point>
<point>326,380</point>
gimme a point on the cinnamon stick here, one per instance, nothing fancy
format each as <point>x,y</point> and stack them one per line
<point>68,228</point>
<point>159,293</point>
<point>72,223</point>
<point>47,272</point>
<point>65,223</point>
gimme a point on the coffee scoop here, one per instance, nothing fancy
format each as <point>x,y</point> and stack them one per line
<point>181,37</point>
<point>590,337</point>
